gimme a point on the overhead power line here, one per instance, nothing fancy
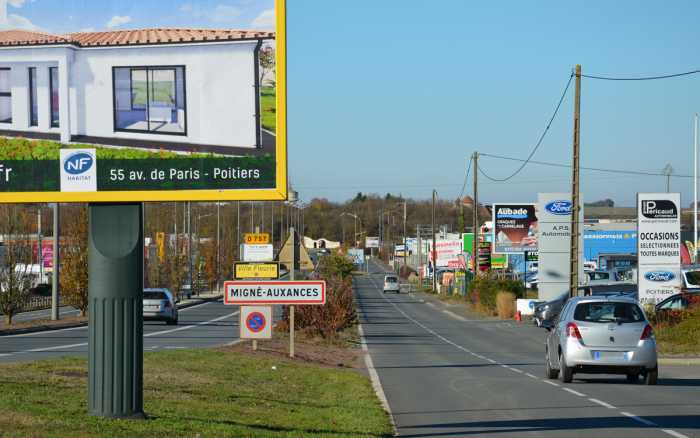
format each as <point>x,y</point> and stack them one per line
<point>539,142</point>
<point>641,78</point>
<point>595,169</point>
<point>466,178</point>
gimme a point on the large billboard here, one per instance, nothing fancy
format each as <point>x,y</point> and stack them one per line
<point>514,228</point>
<point>163,114</point>
<point>658,246</point>
<point>447,252</point>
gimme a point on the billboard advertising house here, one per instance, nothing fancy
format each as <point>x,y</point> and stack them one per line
<point>143,114</point>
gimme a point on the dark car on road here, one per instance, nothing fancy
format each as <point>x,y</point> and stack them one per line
<point>681,301</point>
<point>545,313</point>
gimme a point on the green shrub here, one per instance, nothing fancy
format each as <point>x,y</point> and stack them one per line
<point>335,265</point>
<point>483,290</point>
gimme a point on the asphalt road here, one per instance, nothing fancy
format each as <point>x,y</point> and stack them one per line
<point>446,375</point>
<point>202,325</point>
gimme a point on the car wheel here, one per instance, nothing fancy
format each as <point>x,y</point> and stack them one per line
<point>651,375</point>
<point>566,372</point>
<point>548,370</point>
<point>633,377</point>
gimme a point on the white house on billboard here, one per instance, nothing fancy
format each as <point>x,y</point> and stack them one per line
<point>181,89</point>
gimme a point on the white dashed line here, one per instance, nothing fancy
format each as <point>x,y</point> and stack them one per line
<point>454,315</point>
<point>549,382</point>
<point>517,370</point>
<point>574,392</point>
<point>602,403</point>
<point>674,433</point>
<point>531,375</point>
<point>638,419</point>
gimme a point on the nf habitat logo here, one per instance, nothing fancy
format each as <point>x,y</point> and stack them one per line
<point>78,163</point>
<point>660,276</point>
<point>659,209</point>
<point>560,208</point>
<point>78,170</point>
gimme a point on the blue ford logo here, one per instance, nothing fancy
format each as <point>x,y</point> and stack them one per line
<point>659,276</point>
<point>78,163</point>
<point>561,208</point>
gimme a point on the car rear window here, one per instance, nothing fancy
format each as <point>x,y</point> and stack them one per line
<point>154,295</point>
<point>608,311</point>
<point>391,279</point>
<point>693,278</point>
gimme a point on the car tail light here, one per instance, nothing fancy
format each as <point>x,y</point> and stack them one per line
<point>647,333</point>
<point>572,331</point>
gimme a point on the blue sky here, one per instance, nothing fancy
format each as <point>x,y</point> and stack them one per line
<point>394,95</point>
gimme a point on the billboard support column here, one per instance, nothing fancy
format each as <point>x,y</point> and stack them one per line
<point>291,308</point>
<point>573,266</point>
<point>115,327</point>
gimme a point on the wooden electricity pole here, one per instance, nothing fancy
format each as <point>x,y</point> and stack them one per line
<point>575,199</point>
<point>475,216</point>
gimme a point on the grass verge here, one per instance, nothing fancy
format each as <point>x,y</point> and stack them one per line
<point>268,104</point>
<point>681,338</point>
<point>203,392</point>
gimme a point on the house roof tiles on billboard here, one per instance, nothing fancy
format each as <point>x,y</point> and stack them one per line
<point>131,37</point>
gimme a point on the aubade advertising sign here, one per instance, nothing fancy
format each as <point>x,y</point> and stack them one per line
<point>658,246</point>
<point>157,115</point>
<point>514,228</point>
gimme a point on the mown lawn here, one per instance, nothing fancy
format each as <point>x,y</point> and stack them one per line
<point>268,104</point>
<point>207,393</point>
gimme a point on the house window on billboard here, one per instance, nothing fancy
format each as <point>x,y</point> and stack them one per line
<point>5,96</point>
<point>33,104</point>
<point>150,99</point>
<point>53,92</point>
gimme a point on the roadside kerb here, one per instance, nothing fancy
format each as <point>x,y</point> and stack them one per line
<point>48,328</point>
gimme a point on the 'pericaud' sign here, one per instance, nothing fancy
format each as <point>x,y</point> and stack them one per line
<point>658,246</point>
<point>155,138</point>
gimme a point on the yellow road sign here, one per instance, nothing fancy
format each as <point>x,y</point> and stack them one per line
<point>243,270</point>
<point>256,238</point>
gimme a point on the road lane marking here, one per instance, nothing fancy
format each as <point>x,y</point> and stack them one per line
<point>83,327</point>
<point>532,376</point>
<point>454,315</point>
<point>602,403</point>
<point>82,344</point>
<point>551,383</point>
<point>674,433</point>
<point>574,392</point>
<point>638,419</point>
<point>430,304</point>
<point>191,325</point>
<point>517,370</point>
<point>374,377</point>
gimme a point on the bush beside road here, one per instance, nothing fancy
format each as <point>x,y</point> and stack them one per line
<point>225,392</point>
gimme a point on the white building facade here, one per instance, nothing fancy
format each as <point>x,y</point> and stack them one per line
<point>125,88</point>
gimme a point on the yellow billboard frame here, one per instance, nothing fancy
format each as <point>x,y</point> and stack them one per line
<point>279,193</point>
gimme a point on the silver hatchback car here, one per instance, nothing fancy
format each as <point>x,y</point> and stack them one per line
<point>159,304</point>
<point>601,335</point>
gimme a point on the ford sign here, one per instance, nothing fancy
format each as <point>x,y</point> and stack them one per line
<point>78,163</point>
<point>659,276</point>
<point>560,208</point>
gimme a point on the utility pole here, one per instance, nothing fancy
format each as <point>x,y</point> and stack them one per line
<point>575,199</point>
<point>40,247</point>
<point>405,248</point>
<point>475,216</point>
<point>695,190</point>
<point>55,263</point>
<point>668,171</point>
<point>238,229</point>
<point>189,245</point>
<point>433,253</point>
<point>218,244</point>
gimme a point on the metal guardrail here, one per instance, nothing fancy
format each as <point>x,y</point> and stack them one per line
<point>35,303</point>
